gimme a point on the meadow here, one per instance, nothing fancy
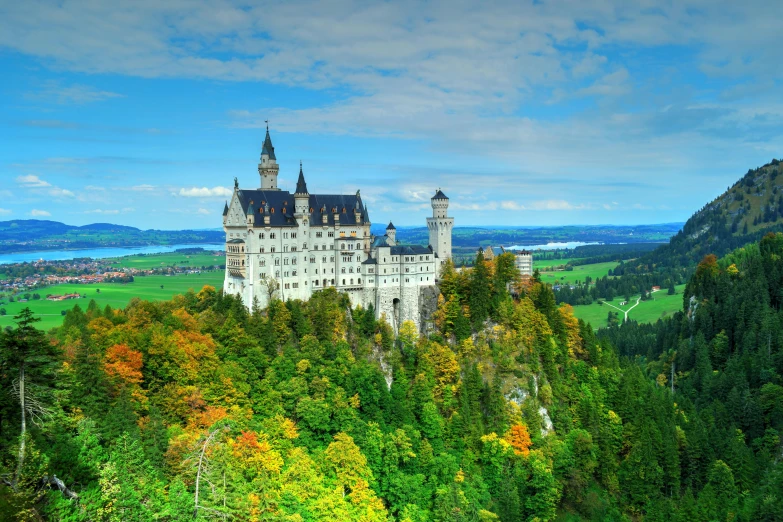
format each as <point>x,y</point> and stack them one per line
<point>660,306</point>
<point>117,295</point>
<point>143,262</point>
<point>579,273</point>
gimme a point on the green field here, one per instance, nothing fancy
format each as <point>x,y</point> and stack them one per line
<point>595,270</point>
<point>115,294</point>
<point>170,259</point>
<point>541,263</point>
<point>659,307</point>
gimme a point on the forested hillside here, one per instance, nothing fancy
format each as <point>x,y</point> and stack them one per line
<point>511,410</point>
<point>742,215</point>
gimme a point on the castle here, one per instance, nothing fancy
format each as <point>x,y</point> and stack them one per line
<point>287,246</point>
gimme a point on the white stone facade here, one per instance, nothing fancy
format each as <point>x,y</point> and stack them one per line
<point>297,244</point>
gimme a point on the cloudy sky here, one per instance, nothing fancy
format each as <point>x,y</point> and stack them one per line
<point>524,113</point>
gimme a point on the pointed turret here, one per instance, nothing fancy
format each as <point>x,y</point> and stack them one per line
<point>391,233</point>
<point>267,147</point>
<point>225,209</point>
<point>301,196</point>
<point>301,186</point>
<point>268,168</point>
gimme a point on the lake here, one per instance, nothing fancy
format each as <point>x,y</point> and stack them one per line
<point>552,246</point>
<point>99,253</point>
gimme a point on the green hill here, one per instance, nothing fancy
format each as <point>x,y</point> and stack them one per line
<point>749,209</point>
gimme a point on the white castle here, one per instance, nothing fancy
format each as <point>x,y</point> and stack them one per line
<point>288,246</point>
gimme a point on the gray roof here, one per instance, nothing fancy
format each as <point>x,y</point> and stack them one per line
<point>391,226</point>
<point>225,209</point>
<point>439,195</point>
<point>370,261</point>
<point>380,241</point>
<point>278,200</point>
<point>410,250</point>
<point>267,148</point>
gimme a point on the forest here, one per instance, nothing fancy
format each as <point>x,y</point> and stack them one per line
<point>508,409</point>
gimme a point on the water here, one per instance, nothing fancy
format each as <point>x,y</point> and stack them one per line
<point>552,246</point>
<point>99,253</point>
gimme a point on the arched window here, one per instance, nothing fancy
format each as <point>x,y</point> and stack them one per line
<point>343,270</point>
<point>263,262</point>
<point>304,246</point>
<point>342,246</point>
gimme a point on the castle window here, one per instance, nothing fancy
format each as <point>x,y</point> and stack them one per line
<point>293,235</point>
<point>331,259</point>
<point>351,281</point>
<point>285,261</point>
<point>343,270</point>
<point>284,210</point>
<point>319,234</point>
<point>287,285</point>
<point>304,246</point>
<point>272,210</point>
<point>342,247</point>
<point>277,273</point>
<point>315,283</point>
<point>358,246</point>
<point>343,281</point>
<point>342,233</point>
<point>277,261</point>
<point>384,270</point>
<point>293,273</point>
<point>312,259</point>
<point>293,248</point>
<point>359,281</point>
<point>332,281</point>
<point>293,260</point>
<point>330,233</point>
<point>272,249</point>
<point>311,210</point>
<point>272,235</point>
<point>263,262</point>
<point>323,259</point>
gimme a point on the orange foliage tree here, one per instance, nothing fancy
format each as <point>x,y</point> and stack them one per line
<point>519,438</point>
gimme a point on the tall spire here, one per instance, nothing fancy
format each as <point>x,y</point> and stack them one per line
<point>301,186</point>
<point>268,148</point>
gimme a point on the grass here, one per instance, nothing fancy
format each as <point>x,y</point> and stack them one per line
<point>115,294</point>
<point>541,263</point>
<point>169,259</point>
<point>579,273</point>
<point>660,306</point>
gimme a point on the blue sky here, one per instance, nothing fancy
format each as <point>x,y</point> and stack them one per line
<point>524,113</point>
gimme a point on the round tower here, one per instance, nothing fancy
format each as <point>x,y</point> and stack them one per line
<point>440,226</point>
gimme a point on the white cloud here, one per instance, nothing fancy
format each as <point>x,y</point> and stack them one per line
<point>39,213</point>
<point>204,192</point>
<point>204,211</point>
<point>143,188</point>
<point>101,211</point>
<point>5,211</point>
<point>32,181</point>
<point>60,192</point>
<point>95,188</point>
<point>54,91</point>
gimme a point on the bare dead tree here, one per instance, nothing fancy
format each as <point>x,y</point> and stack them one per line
<point>202,469</point>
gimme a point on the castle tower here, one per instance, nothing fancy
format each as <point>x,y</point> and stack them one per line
<point>391,233</point>
<point>301,196</point>
<point>440,226</point>
<point>268,167</point>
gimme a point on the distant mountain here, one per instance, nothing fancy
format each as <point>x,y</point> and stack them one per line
<point>25,235</point>
<point>748,210</point>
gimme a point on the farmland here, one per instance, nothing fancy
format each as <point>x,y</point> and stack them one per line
<point>660,306</point>
<point>117,295</point>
